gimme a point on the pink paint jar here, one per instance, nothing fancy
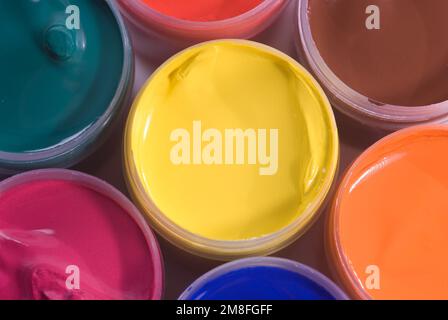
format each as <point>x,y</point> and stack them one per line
<point>148,25</point>
<point>65,235</point>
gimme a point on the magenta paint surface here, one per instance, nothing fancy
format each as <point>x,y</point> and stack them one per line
<point>48,225</point>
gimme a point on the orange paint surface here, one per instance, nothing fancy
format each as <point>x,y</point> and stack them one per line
<point>392,212</point>
<point>203,10</point>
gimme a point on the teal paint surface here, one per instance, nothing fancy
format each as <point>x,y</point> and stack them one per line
<point>55,82</point>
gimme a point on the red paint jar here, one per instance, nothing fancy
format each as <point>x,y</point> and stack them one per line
<point>169,23</point>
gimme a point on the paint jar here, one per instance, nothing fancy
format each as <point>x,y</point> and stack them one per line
<point>231,149</point>
<point>387,78</point>
<point>63,84</point>
<point>387,228</point>
<point>263,279</point>
<point>182,23</point>
<point>60,227</point>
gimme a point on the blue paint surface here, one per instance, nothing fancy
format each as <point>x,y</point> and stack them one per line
<point>261,283</point>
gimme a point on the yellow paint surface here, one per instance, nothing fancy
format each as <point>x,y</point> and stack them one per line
<point>233,84</point>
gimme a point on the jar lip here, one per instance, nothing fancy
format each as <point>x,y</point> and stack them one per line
<point>350,101</point>
<point>138,8</point>
<point>228,249</point>
<point>336,251</point>
<point>17,159</point>
<point>281,263</point>
<point>110,192</point>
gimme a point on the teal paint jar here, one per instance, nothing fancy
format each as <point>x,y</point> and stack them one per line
<point>66,77</point>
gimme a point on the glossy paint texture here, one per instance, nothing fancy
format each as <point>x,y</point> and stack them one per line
<point>403,63</point>
<point>391,213</point>
<point>263,279</point>
<point>55,82</point>
<point>202,10</point>
<point>46,226</point>
<point>232,84</point>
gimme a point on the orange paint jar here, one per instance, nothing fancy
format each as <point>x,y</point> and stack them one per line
<point>388,228</point>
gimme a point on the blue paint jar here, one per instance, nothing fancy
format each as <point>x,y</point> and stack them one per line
<point>263,279</point>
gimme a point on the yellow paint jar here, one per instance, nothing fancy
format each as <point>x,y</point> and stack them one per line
<point>231,149</point>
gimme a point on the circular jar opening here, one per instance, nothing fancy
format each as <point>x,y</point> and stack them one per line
<point>65,80</point>
<point>66,235</point>
<point>263,279</point>
<point>382,63</point>
<point>201,20</point>
<point>231,149</point>
<point>387,229</point>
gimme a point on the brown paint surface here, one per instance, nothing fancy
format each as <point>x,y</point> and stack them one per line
<point>404,63</point>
